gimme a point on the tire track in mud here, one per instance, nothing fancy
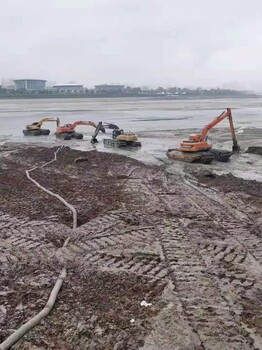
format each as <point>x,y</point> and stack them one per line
<point>214,317</point>
<point>39,239</point>
<point>29,240</point>
<point>207,311</point>
<point>229,225</point>
<point>131,250</point>
<point>177,237</point>
<point>234,254</point>
<point>32,240</point>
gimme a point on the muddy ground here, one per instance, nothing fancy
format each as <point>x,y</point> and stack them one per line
<point>247,192</point>
<point>89,183</point>
<point>255,150</point>
<point>190,246</point>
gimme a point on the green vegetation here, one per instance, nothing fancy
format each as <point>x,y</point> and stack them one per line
<point>172,92</point>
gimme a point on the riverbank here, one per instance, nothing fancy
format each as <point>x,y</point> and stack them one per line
<point>124,96</point>
<point>182,244</point>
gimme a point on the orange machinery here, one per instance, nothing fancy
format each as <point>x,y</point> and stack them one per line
<point>198,142</point>
<point>197,150</point>
<point>67,131</point>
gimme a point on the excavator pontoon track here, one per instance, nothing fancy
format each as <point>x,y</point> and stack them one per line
<point>39,132</point>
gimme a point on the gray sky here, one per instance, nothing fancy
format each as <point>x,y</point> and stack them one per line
<point>136,42</point>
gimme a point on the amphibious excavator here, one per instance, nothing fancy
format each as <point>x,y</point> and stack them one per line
<point>34,129</point>
<point>67,131</point>
<point>198,149</point>
<point>121,138</point>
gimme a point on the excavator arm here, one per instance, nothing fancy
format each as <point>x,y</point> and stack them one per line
<point>235,147</point>
<point>110,126</point>
<point>226,114</point>
<point>101,127</point>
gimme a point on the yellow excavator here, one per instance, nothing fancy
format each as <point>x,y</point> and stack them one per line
<point>121,138</point>
<point>35,129</point>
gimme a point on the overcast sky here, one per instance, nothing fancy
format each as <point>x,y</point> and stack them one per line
<point>135,42</point>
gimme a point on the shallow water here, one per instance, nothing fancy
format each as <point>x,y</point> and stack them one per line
<point>160,124</point>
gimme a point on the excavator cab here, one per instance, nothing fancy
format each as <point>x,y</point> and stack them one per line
<point>194,137</point>
<point>194,144</point>
<point>117,132</point>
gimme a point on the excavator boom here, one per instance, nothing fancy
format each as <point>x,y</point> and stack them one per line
<point>217,120</point>
<point>71,127</point>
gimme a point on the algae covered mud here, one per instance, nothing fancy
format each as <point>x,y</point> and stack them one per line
<point>159,261</point>
<point>160,124</point>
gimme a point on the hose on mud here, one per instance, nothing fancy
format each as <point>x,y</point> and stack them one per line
<point>25,328</point>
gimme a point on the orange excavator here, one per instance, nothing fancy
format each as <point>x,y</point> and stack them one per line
<point>67,131</point>
<point>198,149</point>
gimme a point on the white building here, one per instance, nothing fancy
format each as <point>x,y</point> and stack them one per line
<point>68,88</point>
<point>30,84</point>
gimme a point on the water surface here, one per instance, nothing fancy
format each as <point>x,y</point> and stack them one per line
<point>160,124</point>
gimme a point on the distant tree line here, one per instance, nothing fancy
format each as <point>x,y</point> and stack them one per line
<point>160,92</point>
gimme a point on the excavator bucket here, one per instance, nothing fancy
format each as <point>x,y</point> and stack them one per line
<point>235,149</point>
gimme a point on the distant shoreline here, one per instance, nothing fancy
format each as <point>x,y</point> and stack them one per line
<point>150,97</point>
